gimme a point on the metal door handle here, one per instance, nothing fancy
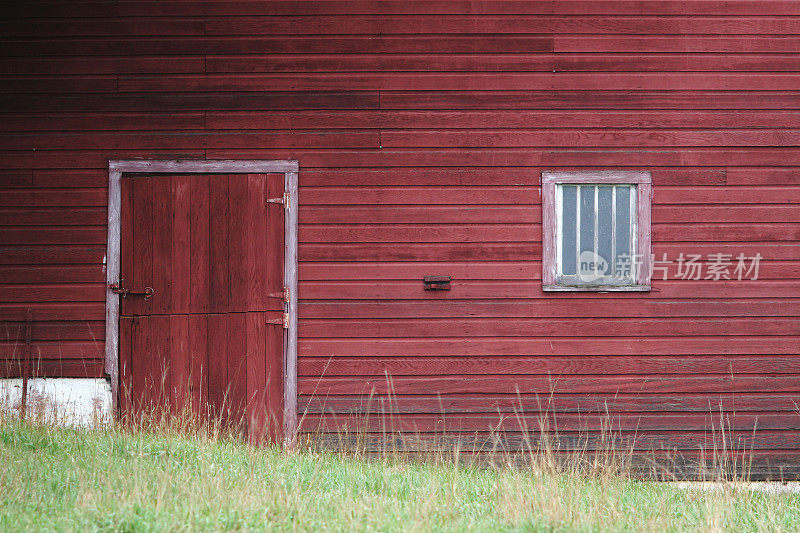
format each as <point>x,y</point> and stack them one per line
<point>147,292</point>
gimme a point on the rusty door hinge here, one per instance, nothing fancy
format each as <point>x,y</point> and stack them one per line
<point>280,200</point>
<point>116,288</point>
<point>284,321</point>
<point>281,295</point>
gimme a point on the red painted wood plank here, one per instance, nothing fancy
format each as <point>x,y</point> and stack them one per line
<point>545,385</point>
<point>535,424</point>
<point>54,331</point>
<point>588,137</point>
<point>159,371</point>
<point>63,177</point>
<point>510,252</point>
<point>548,327</point>
<point>57,367</point>
<point>256,257</point>
<point>515,289</point>
<point>16,179</point>
<point>180,370</point>
<point>83,292</point>
<point>126,345</point>
<point>562,62</point>
<point>218,397</point>
<point>101,65</point>
<point>480,24</point>
<point>50,216</point>
<point>602,99</point>
<point>597,306</point>
<point>200,237</point>
<point>54,197</point>
<point>141,245</point>
<point>454,404</point>
<point>237,370</point>
<point>54,311</point>
<point>64,254</point>
<point>52,235</point>
<point>256,378</point>
<point>547,366</point>
<point>140,367</point>
<point>218,252</point>
<point>502,120</point>
<point>471,81</point>
<point>186,139</point>
<point>342,44</point>
<point>199,364</point>
<point>274,252</point>
<point>86,122</point>
<point>52,273</point>
<point>418,214</point>
<point>396,7</point>
<point>687,44</point>
<point>80,350</point>
<point>178,100</point>
<point>181,257</point>
<point>162,235</point>
<point>407,233</point>
<point>238,242</point>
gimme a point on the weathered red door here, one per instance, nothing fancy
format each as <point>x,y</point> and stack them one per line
<point>210,337</point>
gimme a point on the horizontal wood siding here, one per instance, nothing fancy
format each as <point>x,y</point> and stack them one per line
<point>422,129</point>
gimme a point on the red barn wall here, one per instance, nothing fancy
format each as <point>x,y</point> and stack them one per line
<point>422,129</point>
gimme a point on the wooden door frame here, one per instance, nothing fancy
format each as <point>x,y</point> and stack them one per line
<point>289,169</point>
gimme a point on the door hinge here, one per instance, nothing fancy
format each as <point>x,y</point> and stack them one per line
<point>284,321</point>
<point>280,200</point>
<point>281,295</point>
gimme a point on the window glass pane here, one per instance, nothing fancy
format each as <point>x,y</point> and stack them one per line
<point>568,232</point>
<point>604,225</point>
<point>623,195</point>
<point>587,218</point>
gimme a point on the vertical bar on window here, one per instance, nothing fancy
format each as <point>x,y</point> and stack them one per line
<point>613,258</point>
<point>634,249</point>
<point>568,209</point>
<point>577,228</point>
<point>596,227</point>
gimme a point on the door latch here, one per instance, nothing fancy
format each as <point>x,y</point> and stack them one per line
<point>116,288</point>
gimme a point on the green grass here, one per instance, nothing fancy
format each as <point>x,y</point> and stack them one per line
<point>108,479</point>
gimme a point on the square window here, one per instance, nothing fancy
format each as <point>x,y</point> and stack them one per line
<point>596,231</point>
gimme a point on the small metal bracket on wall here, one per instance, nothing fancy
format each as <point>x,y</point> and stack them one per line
<point>436,283</point>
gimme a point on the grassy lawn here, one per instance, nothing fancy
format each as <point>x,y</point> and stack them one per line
<point>63,479</point>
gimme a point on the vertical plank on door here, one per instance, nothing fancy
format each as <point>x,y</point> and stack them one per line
<point>217,364</point>
<point>160,367</point>
<point>275,240</point>
<point>200,241</point>
<point>198,358</point>
<point>219,279</point>
<point>180,370</point>
<point>275,335</point>
<point>255,261</point>
<point>125,390</point>
<point>237,368</point>
<point>127,255</point>
<point>181,239</point>
<point>238,240</point>
<point>139,363</point>
<point>143,251</point>
<point>257,419</point>
<point>162,245</point>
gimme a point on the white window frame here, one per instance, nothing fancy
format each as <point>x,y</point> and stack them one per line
<point>551,227</point>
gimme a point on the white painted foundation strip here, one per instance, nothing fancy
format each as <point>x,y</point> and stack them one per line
<point>63,401</point>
